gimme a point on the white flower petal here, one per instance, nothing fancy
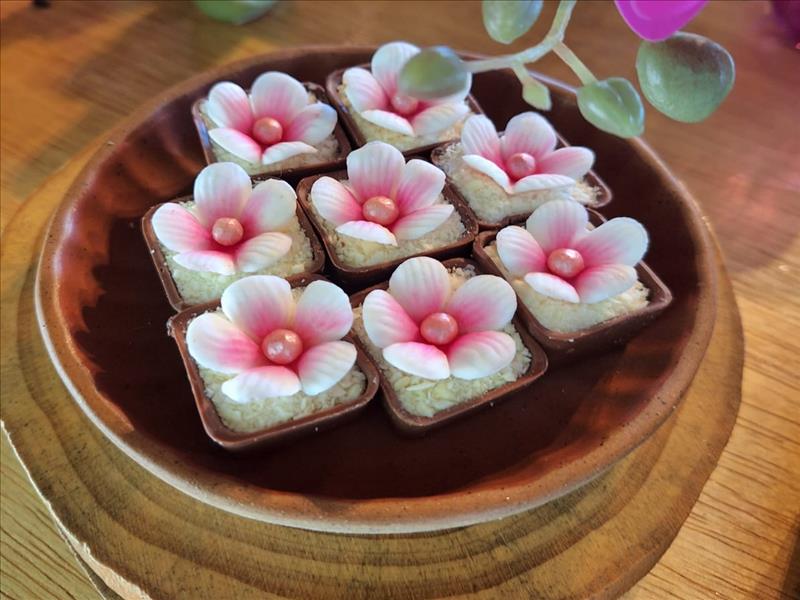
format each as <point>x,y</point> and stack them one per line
<point>323,366</point>
<point>415,358</point>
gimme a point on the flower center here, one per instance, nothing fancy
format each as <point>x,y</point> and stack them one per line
<point>439,328</point>
<point>267,131</point>
<point>521,165</point>
<point>227,231</point>
<point>404,104</point>
<point>282,346</point>
<point>565,262</point>
<point>380,210</point>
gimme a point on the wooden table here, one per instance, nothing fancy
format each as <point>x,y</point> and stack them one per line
<point>74,70</point>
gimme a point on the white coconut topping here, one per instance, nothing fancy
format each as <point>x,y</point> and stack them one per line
<point>373,132</point>
<point>197,287</point>
<point>426,397</point>
<point>566,317</point>
<point>490,202</point>
<point>354,252</point>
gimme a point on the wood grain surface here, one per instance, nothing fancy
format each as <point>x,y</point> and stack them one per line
<point>72,71</point>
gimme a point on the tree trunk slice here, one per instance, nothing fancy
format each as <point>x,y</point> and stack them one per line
<point>144,539</point>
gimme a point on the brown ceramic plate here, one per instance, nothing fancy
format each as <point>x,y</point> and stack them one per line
<point>294,173</point>
<point>363,276</point>
<point>279,434</point>
<point>566,347</point>
<point>604,196</point>
<point>170,287</point>
<point>334,80</point>
<point>103,312</point>
<point>412,424</point>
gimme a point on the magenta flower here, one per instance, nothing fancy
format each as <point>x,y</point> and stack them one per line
<point>375,96</point>
<point>386,200</point>
<point>524,158</point>
<point>277,120</point>
<point>656,20</point>
<point>273,345</point>
<point>558,257</point>
<point>427,330</point>
<point>233,227</point>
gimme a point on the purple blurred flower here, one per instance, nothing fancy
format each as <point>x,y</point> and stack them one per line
<point>656,20</point>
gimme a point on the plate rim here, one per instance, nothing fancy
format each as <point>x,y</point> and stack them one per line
<point>363,516</point>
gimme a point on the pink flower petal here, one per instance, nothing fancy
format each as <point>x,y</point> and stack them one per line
<point>208,261</point>
<point>334,202</point>
<point>387,62</point>
<point>262,383</point>
<point>262,251</point>
<point>558,224</point>
<point>488,168</point>
<point>420,186</point>
<point>221,190</point>
<point>367,231</point>
<point>375,170</point>
<point>545,181</point>
<point>421,285</point>
<point>312,125</point>
<point>599,283</point>
<point>389,120</point>
<point>259,304</point>
<point>421,222</point>
<point>217,344</point>
<point>179,230</point>
<point>385,321</point>
<point>363,90</point>
<point>480,354</point>
<point>323,366</point>
<point>572,161</point>
<point>519,252</point>
<point>482,303</point>
<point>271,207</point>
<point>323,313</point>
<point>279,96</point>
<point>416,358</point>
<point>237,143</point>
<point>479,136</point>
<point>553,287</point>
<point>283,150</point>
<point>439,118</point>
<point>528,132</point>
<point>228,106</point>
<point>618,241</point>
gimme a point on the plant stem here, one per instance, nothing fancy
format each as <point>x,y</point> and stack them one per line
<point>574,63</point>
<point>553,37</point>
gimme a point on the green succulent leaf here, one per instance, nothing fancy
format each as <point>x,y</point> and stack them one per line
<point>534,92</point>
<point>686,77</point>
<point>435,72</point>
<point>237,12</point>
<point>612,105</point>
<point>506,20</point>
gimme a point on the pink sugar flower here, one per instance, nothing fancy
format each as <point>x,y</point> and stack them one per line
<point>233,227</point>
<point>558,257</point>
<point>656,20</point>
<point>277,121</point>
<point>427,330</point>
<point>524,158</point>
<point>375,96</point>
<point>386,199</point>
<point>273,345</point>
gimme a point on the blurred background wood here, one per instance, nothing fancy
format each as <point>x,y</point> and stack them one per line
<point>73,70</point>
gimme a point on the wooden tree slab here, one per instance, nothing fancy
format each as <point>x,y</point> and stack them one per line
<point>143,539</point>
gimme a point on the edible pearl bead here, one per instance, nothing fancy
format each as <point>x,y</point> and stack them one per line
<point>404,104</point>
<point>521,165</point>
<point>227,231</point>
<point>439,328</point>
<point>565,262</point>
<point>267,131</point>
<point>380,210</point>
<point>282,346</point>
